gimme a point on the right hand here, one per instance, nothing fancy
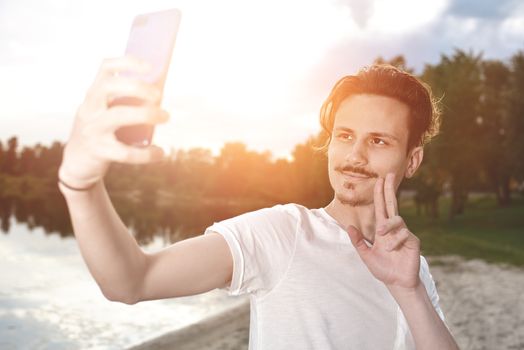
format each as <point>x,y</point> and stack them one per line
<point>92,145</point>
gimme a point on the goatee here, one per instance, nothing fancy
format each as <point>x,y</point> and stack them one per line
<point>353,202</point>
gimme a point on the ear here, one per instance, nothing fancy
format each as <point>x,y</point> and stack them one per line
<point>415,158</point>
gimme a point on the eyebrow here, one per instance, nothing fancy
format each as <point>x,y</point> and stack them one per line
<point>374,134</point>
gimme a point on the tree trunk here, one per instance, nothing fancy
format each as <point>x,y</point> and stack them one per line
<point>434,208</point>
<point>505,193</point>
<point>498,194</point>
<point>458,202</point>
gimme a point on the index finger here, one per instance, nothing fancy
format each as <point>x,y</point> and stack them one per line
<point>112,66</point>
<point>378,198</point>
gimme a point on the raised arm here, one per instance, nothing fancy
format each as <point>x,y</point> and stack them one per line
<point>122,270</point>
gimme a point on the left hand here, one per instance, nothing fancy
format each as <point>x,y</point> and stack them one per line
<point>394,257</point>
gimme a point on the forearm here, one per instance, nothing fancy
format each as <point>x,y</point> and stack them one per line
<point>427,328</point>
<point>111,253</point>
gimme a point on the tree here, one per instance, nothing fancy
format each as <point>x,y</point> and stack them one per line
<point>241,173</point>
<point>494,125</point>
<point>516,116</point>
<point>458,80</point>
<point>428,183</point>
<point>191,170</point>
<point>2,155</point>
<point>9,165</point>
<point>27,161</point>
<point>311,180</point>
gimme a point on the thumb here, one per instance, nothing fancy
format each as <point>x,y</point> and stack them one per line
<point>357,239</point>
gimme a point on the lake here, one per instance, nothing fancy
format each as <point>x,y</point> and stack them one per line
<point>48,300</point>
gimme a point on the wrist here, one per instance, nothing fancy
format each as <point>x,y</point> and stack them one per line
<point>73,188</point>
<point>401,293</point>
<point>85,188</point>
<point>66,182</point>
<point>70,193</point>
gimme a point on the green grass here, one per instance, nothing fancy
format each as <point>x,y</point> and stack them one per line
<point>484,231</point>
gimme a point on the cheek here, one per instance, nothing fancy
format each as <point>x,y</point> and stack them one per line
<point>334,154</point>
<point>331,163</point>
<point>388,162</point>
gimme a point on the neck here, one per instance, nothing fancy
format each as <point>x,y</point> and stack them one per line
<point>362,217</point>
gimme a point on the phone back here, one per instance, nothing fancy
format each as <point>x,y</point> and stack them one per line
<point>152,39</point>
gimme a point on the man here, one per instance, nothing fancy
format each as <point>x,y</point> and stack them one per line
<point>347,276</point>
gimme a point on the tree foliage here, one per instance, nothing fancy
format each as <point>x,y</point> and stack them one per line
<point>480,147</point>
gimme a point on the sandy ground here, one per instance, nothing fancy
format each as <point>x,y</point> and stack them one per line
<point>483,305</point>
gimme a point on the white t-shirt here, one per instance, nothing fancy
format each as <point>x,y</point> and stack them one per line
<point>308,287</point>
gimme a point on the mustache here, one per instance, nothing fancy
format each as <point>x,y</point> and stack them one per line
<point>357,170</point>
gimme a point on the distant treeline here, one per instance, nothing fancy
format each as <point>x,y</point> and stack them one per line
<point>235,174</point>
<point>480,148</point>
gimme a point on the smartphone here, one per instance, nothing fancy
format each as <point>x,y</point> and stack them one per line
<point>152,38</point>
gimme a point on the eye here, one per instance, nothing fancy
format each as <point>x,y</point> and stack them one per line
<point>378,141</point>
<point>345,136</point>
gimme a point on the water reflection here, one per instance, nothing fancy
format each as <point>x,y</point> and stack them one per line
<point>49,213</point>
<point>146,212</point>
<point>48,300</point>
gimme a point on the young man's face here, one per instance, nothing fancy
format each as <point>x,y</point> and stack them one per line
<point>369,140</point>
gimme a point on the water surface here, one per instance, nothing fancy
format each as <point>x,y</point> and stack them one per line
<point>48,300</point>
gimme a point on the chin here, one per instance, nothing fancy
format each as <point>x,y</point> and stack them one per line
<point>348,196</point>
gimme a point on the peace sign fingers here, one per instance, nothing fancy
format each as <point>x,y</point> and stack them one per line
<point>390,196</point>
<point>385,198</point>
<point>380,204</point>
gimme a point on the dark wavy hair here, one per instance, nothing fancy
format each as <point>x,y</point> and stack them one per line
<point>385,80</point>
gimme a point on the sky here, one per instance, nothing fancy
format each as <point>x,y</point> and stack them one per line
<point>255,72</point>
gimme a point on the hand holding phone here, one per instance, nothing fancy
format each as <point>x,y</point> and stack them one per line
<point>151,39</point>
<point>110,106</point>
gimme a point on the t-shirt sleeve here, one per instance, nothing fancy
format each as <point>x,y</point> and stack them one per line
<point>262,244</point>
<point>431,288</point>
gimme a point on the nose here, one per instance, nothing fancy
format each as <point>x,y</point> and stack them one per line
<point>357,154</point>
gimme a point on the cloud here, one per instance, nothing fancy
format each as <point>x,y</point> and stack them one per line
<point>56,42</point>
<point>497,37</point>
<point>361,10</point>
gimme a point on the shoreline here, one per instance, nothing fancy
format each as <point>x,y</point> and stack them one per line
<point>228,329</point>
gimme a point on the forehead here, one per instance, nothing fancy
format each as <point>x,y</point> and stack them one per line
<point>367,113</point>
